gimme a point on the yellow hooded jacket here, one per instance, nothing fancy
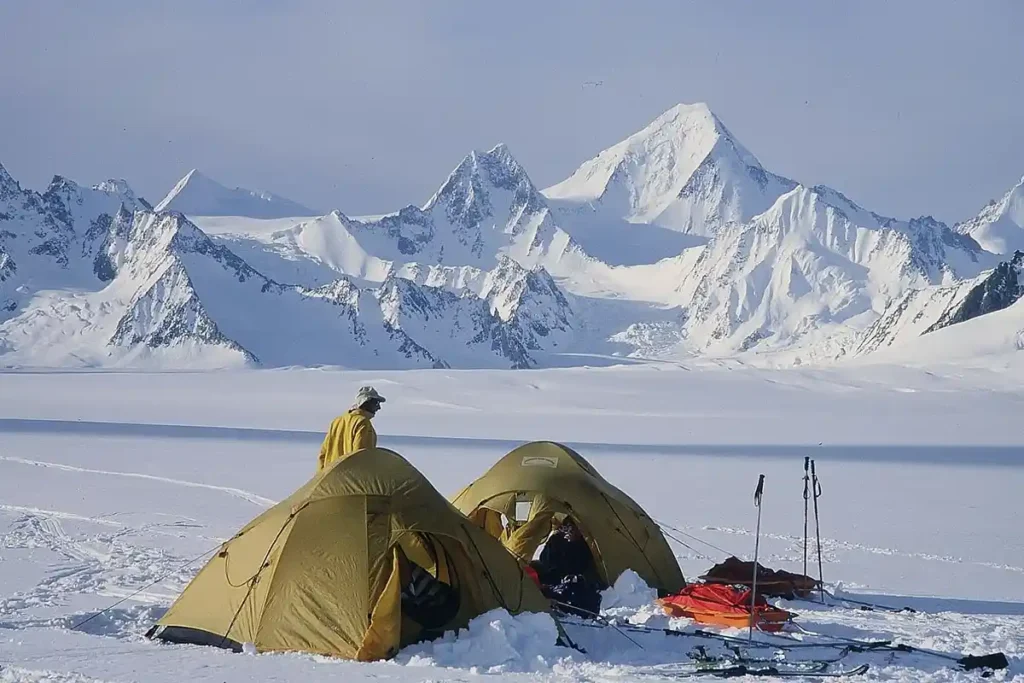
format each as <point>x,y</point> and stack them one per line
<point>347,434</point>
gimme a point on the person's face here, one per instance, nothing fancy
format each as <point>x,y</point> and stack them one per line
<point>372,406</point>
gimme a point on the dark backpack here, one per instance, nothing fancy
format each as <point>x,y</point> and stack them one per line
<point>576,594</point>
<point>427,601</point>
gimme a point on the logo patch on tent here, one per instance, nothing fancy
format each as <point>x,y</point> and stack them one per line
<point>540,461</point>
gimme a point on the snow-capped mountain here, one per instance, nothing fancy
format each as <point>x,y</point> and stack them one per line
<point>815,267</point>
<point>52,240</point>
<point>198,195</point>
<point>685,171</point>
<point>999,227</point>
<point>487,206</point>
<point>1002,288</point>
<point>529,301</point>
<point>923,311</point>
<point>991,336</point>
<point>170,295</point>
<point>673,243</point>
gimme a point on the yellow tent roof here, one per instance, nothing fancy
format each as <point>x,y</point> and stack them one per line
<point>554,481</point>
<point>321,570</point>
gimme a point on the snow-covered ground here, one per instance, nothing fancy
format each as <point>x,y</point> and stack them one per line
<point>112,481</point>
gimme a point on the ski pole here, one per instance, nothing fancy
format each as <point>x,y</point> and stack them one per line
<point>757,546</point>
<point>816,489</point>
<point>807,461</point>
<point>994,660</point>
<point>871,606</point>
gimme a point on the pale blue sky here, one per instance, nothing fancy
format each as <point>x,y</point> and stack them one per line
<point>907,107</point>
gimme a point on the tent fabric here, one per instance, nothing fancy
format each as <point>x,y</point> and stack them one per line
<point>322,570</point>
<point>770,582</point>
<point>539,484</point>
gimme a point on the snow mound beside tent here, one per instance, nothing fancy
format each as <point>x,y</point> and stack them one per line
<point>629,591</point>
<point>633,601</point>
<point>494,642</point>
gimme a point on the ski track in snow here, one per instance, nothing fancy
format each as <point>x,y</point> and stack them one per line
<point>104,564</point>
<point>15,674</point>
<point>55,514</point>
<point>238,493</point>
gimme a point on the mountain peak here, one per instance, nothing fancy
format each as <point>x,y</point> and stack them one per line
<point>999,227</point>
<point>118,186</point>
<point>59,183</point>
<point>8,185</point>
<point>199,195</point>
<point>694,115</point>
<point>495,163</point>
<point>467,186</point>
<point>656,162</point>
<point>684,171</point>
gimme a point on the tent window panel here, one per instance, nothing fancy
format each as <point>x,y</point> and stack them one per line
<point>522,511</point>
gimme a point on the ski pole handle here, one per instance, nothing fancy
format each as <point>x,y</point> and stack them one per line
<point>759,491</point>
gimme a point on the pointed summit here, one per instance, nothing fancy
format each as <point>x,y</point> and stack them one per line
<point>9,187</point>
<point>999,227</point>
<point>468,184</point>
<point>685,171</point>
<point>487,193</point>
<point>118,186</point>
<point>198,195</point>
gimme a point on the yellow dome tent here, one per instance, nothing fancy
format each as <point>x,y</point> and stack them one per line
<point>323,570</point>
<point>539,484</point>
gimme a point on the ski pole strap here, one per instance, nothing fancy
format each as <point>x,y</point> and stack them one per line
<point>807,461</point>
<point>759,491</point>
<point>815,481</point>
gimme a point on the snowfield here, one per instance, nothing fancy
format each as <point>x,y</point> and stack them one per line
<point>113,486</point>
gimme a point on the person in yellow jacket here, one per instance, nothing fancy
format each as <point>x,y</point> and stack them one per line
<point>352,431</point>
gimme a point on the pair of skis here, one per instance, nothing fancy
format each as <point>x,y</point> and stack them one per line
<point>774,670</point>
<point>742,664</point>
